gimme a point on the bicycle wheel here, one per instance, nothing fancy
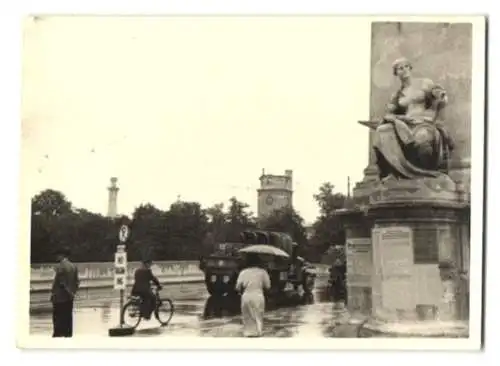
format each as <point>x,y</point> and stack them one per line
<point>164,311</point>
<point>131,314</point>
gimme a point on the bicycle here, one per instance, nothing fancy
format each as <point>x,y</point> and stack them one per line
<point>132,308</point>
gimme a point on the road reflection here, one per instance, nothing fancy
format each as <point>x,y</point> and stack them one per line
<point>149,331</point>
<point>323,295</point>
<point>106,311</point>
<point>292,314</point>
<point>228,306</point>
<point>221,306</point>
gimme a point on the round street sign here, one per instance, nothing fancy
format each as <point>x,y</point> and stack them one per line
<point>124,233</point>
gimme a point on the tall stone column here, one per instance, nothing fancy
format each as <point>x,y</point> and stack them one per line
<point>419,240</point>
<point>112,198</point>
<point>439,51</point>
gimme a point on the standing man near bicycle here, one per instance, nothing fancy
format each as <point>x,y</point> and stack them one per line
<point>62,296</point>
<point>143,277</point>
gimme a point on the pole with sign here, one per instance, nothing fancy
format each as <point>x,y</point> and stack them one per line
<point>120,278</point>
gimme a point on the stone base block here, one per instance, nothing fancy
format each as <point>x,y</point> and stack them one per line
<point>397,245</point>
<point>423,190</point>
<point>360,299</point>
<point>417,228</point>
<point>422,329</point>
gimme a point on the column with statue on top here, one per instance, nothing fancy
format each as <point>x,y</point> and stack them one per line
<point>113,198</point>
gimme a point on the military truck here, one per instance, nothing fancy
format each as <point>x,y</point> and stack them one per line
<point>221,268</point>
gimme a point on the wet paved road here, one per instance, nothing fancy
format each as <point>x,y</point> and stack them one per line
<point>197,314</point>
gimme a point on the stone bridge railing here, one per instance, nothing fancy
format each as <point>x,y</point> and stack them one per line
<point>101,274</point>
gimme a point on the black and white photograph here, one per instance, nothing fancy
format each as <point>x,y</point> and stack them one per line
<point>252,182</point>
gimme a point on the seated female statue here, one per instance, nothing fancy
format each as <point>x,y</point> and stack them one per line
<point>411,142</point>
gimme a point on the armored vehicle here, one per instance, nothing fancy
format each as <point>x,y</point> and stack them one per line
<point>278,253</point>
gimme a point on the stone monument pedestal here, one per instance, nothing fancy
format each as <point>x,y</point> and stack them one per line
<point>405,250</point>
<point>407,240</point>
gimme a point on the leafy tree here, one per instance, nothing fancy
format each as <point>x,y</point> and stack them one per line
<point>50,203</point>
<point>187,226</point>
<point>55,223</point>
<point>287,220</point>
<point>49,209</point>
<point>148,233</point>
<point>40,239</point>
<point>95,238</point>
<point>217,227</point>
<point>328,229</point>
<point>238,219</point>
<point>328,201</point>
<point>184,232</point>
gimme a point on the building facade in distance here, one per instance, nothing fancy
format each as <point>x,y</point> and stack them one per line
<point>275,192</point>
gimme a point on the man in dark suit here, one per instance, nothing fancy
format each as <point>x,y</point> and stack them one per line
<point>143,277</point>
<point>64,288</point>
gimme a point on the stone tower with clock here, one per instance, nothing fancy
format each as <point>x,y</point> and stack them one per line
<point>275,192</point>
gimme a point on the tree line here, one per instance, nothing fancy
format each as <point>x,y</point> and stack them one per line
<point>185,231</point>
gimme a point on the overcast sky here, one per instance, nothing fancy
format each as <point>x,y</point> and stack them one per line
<point>193,107</point>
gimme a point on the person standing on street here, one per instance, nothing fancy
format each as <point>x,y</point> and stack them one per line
<point>64,288</point>
<point>338,278</point>
<point>251,284</point>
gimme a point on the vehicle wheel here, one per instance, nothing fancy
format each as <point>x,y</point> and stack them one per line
<point>308,284</point>
<point>164,311</point>
<point>131,314</point>
<point>211,288</point>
